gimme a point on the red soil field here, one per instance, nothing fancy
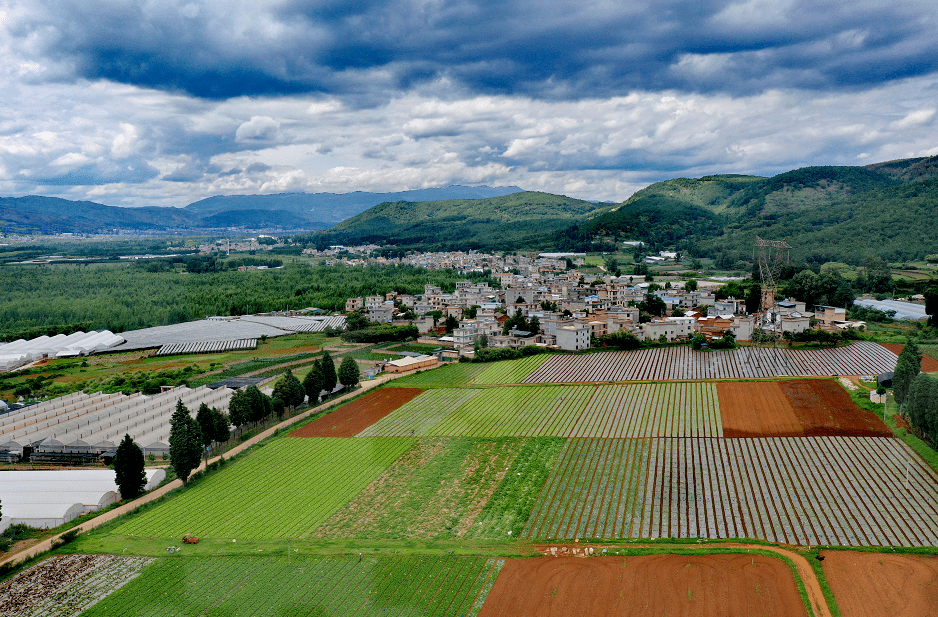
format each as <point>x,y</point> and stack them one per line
<point>665,585</point>
<point>877,584</point>
<point>756,409</point>
<point>929,364</point>
<point>826,409</point>
<point>351,419</point>
<point>795,408</point>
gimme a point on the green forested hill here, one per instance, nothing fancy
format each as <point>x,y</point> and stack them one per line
<point>520,220</point>
<point>847,214</point>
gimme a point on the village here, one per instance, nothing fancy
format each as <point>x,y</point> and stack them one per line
<point>567,309</point>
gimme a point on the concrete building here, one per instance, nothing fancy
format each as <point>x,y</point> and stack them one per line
<point>574,337</point>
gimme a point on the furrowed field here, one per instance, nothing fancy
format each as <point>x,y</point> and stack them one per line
<point>409,500</point>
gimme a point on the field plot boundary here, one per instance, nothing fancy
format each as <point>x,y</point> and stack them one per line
<point>356,416</point>
<point>882,584</point>
<point>681,409</point>
<point>683,363</point>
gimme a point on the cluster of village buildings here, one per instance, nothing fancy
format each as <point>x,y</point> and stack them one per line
<point>572,310</point>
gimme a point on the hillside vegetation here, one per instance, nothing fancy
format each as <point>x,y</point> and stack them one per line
<point>517,221</point>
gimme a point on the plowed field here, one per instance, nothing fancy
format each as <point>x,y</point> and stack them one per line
<point>929,364</point>
<point>826,409</point>
<point>351,419</point>
<point>871,584</point>
<point>794,409</point>
<point>757,409</point>
<point>665,585</point>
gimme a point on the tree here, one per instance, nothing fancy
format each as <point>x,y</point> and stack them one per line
<point>261,407</point>
<point>128,469</point>
<point>690,285</point>
<point>653,305</point>
<point>349,374</point>
<point>451,323</point>
<point>278,405</point>
<point>239,408</point>
<point>185,442</point>
<point>908,366</point>
<point>289,390</point>
<point>220,426</point>
<point>206,424</point>
<point>922,404</point>
<point>329,377</point>
<point>312,383</point>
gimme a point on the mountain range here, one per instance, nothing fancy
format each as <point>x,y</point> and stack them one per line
<point>286,211</point>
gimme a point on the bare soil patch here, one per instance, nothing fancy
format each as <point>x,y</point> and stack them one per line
<point>665,585</point>
<point>825,409</point>
<point>876,584</point>
<point>929,364</point>
<point>757,409</point>
<point>353,418</point>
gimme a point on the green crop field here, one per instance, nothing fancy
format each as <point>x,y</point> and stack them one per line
<point>436,489</point>
<point>512,371</point>
<point>303,585</point>
<point>633,410</point>
<point>285,490</point>
<point>595,490</point>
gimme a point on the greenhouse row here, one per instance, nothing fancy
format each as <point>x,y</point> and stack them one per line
<point>16,354</point>
<point>83,427</point>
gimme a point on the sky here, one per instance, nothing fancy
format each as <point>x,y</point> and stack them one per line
<point>164,102</point>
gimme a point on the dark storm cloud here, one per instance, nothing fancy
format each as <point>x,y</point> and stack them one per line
<point>368,50</point>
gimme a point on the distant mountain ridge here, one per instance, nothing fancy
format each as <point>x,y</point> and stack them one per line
<point>287,211</point>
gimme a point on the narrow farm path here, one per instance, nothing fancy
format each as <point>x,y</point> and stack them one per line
<point>811,583</point>
<point>45,545</point>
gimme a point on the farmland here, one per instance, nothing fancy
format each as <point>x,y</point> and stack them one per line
<point>65,585</point>
<point>358,415</point>
<point>634,410</point>
<point>303,585</point>
<point>462,373</point>
<point>244,502</point>
<point>878,584</point>
<point>437,488</point>
<point>863,358</point>
<point>790,490</point>
<point>739,585</point>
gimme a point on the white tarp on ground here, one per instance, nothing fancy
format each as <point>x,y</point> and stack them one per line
<point>47,499</point>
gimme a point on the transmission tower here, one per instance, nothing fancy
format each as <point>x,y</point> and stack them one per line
<point>773,254</point>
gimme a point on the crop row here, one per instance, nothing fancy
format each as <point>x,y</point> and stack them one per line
<point>454,374</point>
<point>436,489</point>
<point>796,490</point>
<point>511,371</point>
<point>257,498</point>
<point>667,363</point>
<point>234,586</point>
<point>635,410</point>
<point>65,585</point>
<point>595,490</point>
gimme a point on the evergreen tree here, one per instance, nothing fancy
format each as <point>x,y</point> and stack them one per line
<point>921,403</point>
<point>204,417</point>
<point>349,374</point>
<point>279,406</point>
<point>289,390</point>
<point>220,426</point>
<point>908,366</point>
<point>327,370</point>
<point>128,469</point>
<point>185,442</point>
<point>260,408</point>
<point>239,408</point>
<point>312,383</point>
